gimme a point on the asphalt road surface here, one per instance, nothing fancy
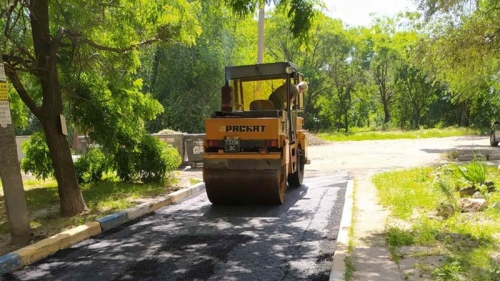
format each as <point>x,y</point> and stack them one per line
<point>193,240</point>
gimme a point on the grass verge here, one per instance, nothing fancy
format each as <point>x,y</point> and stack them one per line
<point>193,181</point>
<point>349,265</point>
<point>363,134</point>
<point>102,198</point>
<point>467,242</point>
<point>349,268</point>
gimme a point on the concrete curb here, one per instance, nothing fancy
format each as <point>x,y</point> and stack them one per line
<point>113,220</point>
<point>338,267</point>
<point>9,263</point>
<point>49,246</point>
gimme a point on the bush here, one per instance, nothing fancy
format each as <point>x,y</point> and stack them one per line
<point>37,159</point>
<point>473,173</point>
<point>124,164</point>
<point>150,161</point>
<point>91,166</point>
<point>155,159</point>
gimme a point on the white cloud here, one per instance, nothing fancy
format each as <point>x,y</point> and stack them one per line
<point>357,12</point>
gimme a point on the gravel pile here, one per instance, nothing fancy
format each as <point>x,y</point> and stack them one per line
<point>312,140</point>
<point>166,132</point>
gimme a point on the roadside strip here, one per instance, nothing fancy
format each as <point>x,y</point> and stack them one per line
<point>338,267</point>
<point>49,246</point>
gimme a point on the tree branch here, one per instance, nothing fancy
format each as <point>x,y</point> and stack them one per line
<point>11,21</point>
<point>16,82</point>
<point>78,39</point>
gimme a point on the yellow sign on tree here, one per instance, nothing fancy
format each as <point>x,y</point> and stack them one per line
<point>4,93</point>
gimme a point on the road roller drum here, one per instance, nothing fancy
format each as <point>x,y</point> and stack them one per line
<point>239,187</point>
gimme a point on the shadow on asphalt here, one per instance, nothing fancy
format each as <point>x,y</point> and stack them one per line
<point>193,240</point>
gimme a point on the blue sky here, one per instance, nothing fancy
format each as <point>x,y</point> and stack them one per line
<point>357,12</point>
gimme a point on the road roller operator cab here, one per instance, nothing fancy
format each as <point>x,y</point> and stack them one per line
<point>255,149</point>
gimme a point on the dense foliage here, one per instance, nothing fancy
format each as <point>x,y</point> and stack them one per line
<point>91,166</point>
<point>124,69</point>
<point>149,160</point>
<point>381,76</point>
<point>61,60</point>
<point>37,157</point>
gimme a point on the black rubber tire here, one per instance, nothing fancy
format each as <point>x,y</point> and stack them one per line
<point>492,139</point>
<point>296,179</point>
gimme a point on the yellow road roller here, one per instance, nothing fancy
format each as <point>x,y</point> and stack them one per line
<point>254,149</point>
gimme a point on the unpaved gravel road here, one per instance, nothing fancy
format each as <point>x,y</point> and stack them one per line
<point>360,157</point>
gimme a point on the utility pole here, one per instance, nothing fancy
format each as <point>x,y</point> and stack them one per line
<point>10,171</point>
<point>260,53</point>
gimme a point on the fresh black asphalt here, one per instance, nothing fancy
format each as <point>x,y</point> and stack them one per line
<point>193,240</point>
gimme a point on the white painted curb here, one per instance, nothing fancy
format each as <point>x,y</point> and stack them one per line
<point>338,267</point>
<point>139,211</point>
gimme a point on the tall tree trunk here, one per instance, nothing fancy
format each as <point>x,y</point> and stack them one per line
<point>417,120</point>
<point>347,107</point>
<point>70,196</point>
<point>464,111</point>
<point>387,116</point>
<point>346,122</point>
<point>71,199</point>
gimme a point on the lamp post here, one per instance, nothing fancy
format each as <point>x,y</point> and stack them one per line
<point>260,53</point>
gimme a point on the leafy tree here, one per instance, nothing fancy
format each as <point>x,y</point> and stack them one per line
<point>418,91</point>
<point>187,79</point>
<point>43,39</point>
<point>344,72</point>
<point>462,51</point>
<point>384,61</point>
<point>312,56</point>
<point>39,42</point>
<point>300,13</point>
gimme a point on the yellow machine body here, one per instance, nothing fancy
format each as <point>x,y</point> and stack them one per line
<point>253,152</point>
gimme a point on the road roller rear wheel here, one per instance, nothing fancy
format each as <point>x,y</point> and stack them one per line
<point>241,187</point>
<point>296,179</point>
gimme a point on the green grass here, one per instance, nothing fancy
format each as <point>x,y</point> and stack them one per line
<point>349,268</point>
<point>360,134</point>
<point>469,240</point>
<point>193,181</point>
<point>30,183</point>
<point>102,198</point>
<point>349,265</point>
<point>406,190</point>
